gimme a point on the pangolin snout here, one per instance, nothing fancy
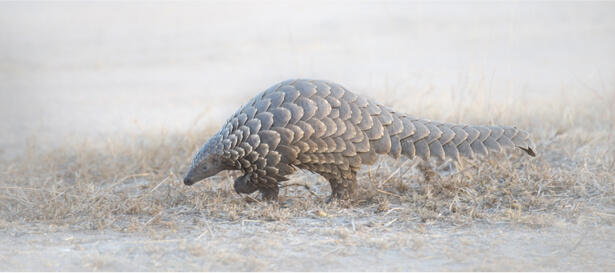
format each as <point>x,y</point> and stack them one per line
<point>189,179</point>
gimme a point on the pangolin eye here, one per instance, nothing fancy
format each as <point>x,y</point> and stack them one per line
<point>205,168</point>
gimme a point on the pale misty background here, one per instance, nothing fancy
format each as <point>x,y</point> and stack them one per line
<point>74,70</point>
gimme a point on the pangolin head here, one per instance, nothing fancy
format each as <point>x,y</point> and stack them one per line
<point>209,161</point>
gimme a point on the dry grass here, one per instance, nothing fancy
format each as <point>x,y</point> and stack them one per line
<point>133,185</point>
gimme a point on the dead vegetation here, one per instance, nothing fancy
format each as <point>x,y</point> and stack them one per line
<point>133,185</point>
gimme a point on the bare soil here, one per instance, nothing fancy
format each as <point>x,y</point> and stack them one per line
<point>315,245</point>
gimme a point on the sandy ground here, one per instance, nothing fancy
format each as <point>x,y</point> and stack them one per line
<point>256,245</point>
<point>102,71</point>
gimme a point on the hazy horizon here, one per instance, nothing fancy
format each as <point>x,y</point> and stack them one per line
<point>94,69</point>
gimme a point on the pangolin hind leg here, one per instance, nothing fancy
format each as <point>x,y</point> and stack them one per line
<point>342,188</point>
<point>271,193</point>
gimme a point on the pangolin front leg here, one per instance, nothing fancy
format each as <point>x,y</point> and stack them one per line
<point>267,193</point>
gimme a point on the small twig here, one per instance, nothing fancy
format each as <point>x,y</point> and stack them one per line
<point>150,242</point>
<point>392,194</point>
<point>390,223</point>
<point>132,176</point>
<point>391,210</point>
<point>460,172</point>
<point>378,168</point>
<point>392,174</point>
<point>211,232</point>
<point>604,214</point>
<point>304,185</point>
<point>157,186</point>
<point>254,199</point>
<point>153,218</point>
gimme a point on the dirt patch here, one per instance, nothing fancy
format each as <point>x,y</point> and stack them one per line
<point>333,244</point>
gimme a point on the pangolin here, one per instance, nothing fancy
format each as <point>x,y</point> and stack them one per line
<point>322,127</point>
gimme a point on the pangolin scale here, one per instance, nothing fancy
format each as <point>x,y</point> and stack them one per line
<point>322,127</point>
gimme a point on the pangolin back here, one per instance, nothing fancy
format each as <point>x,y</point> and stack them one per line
<point>322,127</point>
